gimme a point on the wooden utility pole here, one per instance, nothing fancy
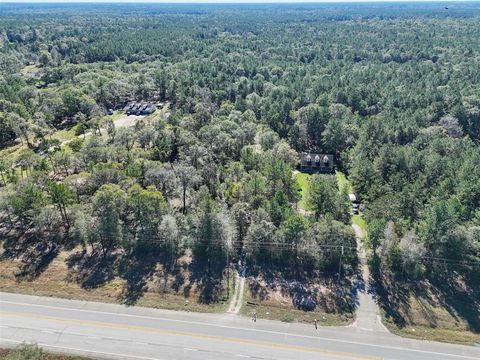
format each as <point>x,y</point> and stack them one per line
<point>340,265</point>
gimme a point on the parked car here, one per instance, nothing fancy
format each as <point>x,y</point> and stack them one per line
<point>355,207</point>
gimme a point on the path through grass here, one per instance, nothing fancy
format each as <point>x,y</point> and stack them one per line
<point>342,183</point>
<point>303,181</point>
<point>360,221</point>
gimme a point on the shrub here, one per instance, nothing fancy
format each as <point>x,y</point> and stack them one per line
<point>26,352</point>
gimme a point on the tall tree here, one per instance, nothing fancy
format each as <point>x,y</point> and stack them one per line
<point>108,204</point>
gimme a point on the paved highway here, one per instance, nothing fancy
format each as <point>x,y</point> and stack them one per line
<point>118,332</point>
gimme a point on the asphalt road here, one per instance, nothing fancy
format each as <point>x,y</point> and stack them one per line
<point>118,332</point>
<point>367,312</point>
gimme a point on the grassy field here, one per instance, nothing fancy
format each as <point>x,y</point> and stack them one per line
<point>303,180</point>
<point>63,135</point>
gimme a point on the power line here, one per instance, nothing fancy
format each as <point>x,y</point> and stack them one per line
<point>326,248</point>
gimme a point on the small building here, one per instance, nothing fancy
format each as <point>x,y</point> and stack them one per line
<point>139,108</point>
<point>316,163</point>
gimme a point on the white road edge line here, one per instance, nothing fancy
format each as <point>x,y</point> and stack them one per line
<point>250,330</point>
<point>190,349</point>
<point>85,352</point>
<point>379,318</point>
<point>91,337</point>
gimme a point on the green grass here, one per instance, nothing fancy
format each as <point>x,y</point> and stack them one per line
<point>29,69</point>
<point>63,135</point>
<point>303,181</point>
<point>343,182</point>
<point>116,115</point>
<point>360,221</point>
<point>13,151</point>
<point>10,153</point>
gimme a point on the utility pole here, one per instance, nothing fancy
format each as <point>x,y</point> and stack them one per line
<point>340,265</point>
<point>228,274</point>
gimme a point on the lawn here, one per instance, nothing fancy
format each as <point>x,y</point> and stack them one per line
<point>343,182</point>
<point>303,180</point>
<point>116,115</point>
<point>64,135</point>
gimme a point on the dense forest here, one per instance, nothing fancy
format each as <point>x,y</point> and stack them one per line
<point>392,92</point>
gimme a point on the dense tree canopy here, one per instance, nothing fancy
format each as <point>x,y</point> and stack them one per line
<point>393,95</point>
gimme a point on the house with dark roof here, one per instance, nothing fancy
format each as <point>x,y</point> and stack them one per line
<point>316,163</point>
<point>139,108</point>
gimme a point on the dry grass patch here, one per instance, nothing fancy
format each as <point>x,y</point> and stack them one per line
<point>447,312</point>
<point>277,303</point>
<point>428,320</point>
<point>58,280</point>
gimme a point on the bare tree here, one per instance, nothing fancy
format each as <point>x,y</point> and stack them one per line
<point>451,126</point>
